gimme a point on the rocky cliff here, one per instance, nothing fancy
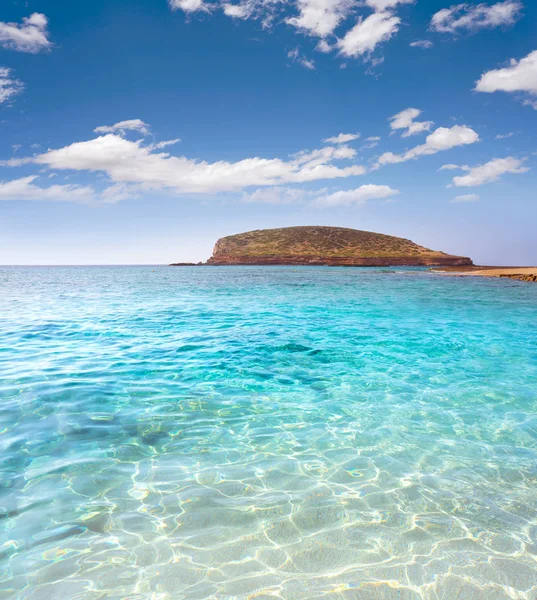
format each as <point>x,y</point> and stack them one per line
<point>332,246</point>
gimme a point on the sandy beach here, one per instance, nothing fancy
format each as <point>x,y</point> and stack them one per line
<point>519,273</point>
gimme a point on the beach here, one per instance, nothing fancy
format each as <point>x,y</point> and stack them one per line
<point>518,273</point>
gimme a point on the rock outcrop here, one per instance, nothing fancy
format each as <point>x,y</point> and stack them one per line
<point>330,246</point>
<point>522,277</point>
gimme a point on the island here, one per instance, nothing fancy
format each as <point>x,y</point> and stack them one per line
<point>326,246</point>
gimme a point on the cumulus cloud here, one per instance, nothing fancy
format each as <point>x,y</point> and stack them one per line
<point>441,139</point>
<point>471,18</point>
<point>466,198</point>
<point>236,11</point>
<point>138,166</point>
<point>320,17</point>
<point>315,18</point>
<point>424,44</point>
<point>29,36</point>
<point>406,120</point>
<point>324,47</point>
<point>134,164</point>
<point>368,33</point>
<point>504,136</point>
<point>358,196</point>
<point>123,126</point>
<point>188,6</point>
<point>9,86</point>
<point>342,138</point>
<point>519,76</point>
<point>490,172</point>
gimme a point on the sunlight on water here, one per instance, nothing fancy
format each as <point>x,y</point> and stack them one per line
<point>293,433</point>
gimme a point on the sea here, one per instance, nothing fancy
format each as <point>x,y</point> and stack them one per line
<point>244,433</point>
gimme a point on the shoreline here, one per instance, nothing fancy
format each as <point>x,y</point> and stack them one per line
<point>517,273</point>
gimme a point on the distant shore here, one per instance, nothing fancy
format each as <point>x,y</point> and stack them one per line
<point>518,273</point>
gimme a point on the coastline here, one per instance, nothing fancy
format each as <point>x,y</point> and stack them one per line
<point>518,273</point>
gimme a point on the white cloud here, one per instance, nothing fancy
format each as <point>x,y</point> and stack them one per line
<point>452,167</point>
<point>424,44</point>
<point>29,36</point>
<point>478,16</point>
<point>136,166</point>
<point>382,5</point>
<point>236,11</point>
<point>504,136</point>
<point>295,56</point>
<point>124,126</point>
<point>406,120</point>
<point>307,63</point>
<point>276,195</point>
<point>358,196</point>
<point>133,164</point>
<point>371,142</point>
<point>25,189</point>
<point>519,76</point>
<point>466,198</point>
<point>342,138</point>
<point>9,86</point>
<point>315,18</point>
<point>324,47</point>
<point>164,144</point>
<point>439,140</point>
<point>490,172</point>
<point>117,192</point>
<point>188,6</point>
<point>320,17</point>
<point>321,198</point>
<point>365,36</point>
<point>16,162</point>
<point>322,155</point>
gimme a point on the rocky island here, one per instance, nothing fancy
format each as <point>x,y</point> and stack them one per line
<point>328,246</point>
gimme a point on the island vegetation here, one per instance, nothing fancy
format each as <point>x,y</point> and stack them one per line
<point>331,246</point>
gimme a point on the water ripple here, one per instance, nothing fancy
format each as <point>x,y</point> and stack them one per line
<point>266,433</point>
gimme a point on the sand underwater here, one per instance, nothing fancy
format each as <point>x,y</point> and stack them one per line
<point>266,432</point>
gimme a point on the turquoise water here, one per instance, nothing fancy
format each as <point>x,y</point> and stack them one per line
<point>295,433</point>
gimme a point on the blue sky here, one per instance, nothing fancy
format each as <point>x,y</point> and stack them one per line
<point>140,131</point>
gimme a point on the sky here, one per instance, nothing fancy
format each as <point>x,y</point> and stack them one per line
<point>140,131</point>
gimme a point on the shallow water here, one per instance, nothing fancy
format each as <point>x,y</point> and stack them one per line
<point>296,433</point>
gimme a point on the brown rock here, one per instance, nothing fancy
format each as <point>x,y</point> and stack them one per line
<point>329,246</point>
